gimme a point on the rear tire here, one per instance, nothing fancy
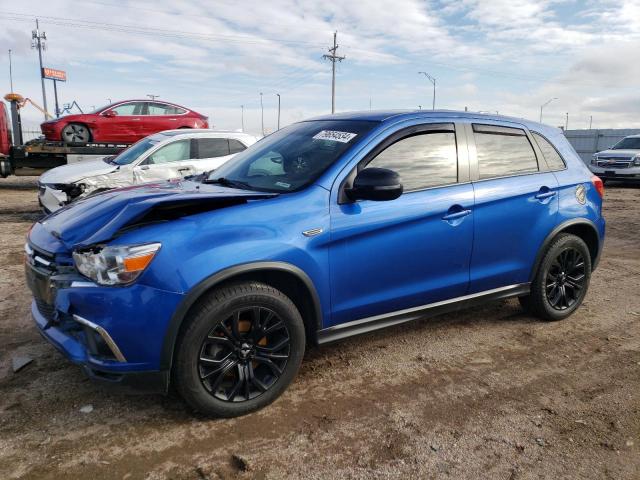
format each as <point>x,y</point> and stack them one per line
<point>76,134</point>
<point>561,281</point>
<point>241,348</point>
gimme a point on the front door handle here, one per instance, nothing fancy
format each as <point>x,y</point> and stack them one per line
<point>456,215</point>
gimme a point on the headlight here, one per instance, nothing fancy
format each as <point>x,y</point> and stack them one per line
<point>115,265</point>
<point>594,160</point>
<point>636,161</point>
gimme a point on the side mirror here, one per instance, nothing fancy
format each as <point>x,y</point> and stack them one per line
<point>375,184</point>
<point>110,113</point>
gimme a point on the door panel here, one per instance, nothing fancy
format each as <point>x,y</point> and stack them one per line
<point>513,214</point>
<point>387,256</point>
<point>125,126</point>
<point>168,162</point>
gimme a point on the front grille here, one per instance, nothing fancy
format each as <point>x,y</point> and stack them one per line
<point>614,162</point>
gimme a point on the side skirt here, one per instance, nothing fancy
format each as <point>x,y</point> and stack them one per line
<point>369,324</point>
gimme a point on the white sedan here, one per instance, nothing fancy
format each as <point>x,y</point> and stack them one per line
<point>162,156</point>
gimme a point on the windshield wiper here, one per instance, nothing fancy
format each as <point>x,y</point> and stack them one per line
<point>230,183</point>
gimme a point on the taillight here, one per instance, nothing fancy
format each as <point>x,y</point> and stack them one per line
<point>597,182</point>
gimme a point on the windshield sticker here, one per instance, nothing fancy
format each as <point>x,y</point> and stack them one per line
<point>335,136</point>
<point>283,185</point>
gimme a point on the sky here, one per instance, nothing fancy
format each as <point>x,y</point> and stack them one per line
<point>214,56</point>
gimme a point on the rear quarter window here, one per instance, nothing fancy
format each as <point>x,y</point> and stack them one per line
<point>551,155</point>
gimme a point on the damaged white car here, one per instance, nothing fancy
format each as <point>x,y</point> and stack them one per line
<point>162,156</point>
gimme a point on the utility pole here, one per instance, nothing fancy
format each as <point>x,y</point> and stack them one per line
<point>433,81</point>
<point>544,105</point>
<point>242,116</point>
<point>37,41</point>
<point>262,114</point>
<point>333,58</point>
<point>10,72</point>
<point>590,121</point>
<point>278,110</point>
<point>566,122</point>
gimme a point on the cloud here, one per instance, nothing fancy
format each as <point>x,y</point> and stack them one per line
<point>506,55</point>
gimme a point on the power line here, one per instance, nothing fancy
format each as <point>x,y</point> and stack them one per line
<point>115,27</point>
<point>333,58</point>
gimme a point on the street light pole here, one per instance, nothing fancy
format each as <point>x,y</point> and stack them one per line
<point>544,105</point>
<point>10,72</point>
<point>37,41</point>
<point>433,81</point>
<point>278,110</point>
<point>262,113</point>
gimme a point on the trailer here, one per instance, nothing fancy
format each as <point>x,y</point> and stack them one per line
<point>37,156</point>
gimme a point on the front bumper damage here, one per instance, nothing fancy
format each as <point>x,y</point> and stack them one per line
<point>105,330</point>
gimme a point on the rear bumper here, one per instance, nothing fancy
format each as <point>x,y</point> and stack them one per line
<point>73,338</point>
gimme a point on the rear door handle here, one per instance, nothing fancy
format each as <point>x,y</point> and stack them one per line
<point>455,215</point>
<point>543,195</point>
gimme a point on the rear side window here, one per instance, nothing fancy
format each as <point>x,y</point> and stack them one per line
<point>503,151</point>
<point>212,147</point>
<point>235,146</point>
<point>551,155</point>
<point>422,161</point>
<point>155,108</point>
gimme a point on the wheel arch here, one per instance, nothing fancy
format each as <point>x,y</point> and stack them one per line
<point>289,279</point>
<point>580,227</point>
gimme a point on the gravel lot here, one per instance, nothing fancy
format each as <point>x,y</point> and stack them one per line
<point>485,393</point>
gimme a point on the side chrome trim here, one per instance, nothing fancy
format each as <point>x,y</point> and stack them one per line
<point>105,336</point>
<point>376,322</point>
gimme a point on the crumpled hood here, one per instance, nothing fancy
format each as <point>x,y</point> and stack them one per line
<point>98,218</point>
<point>75,172</point>
<point>618,153</point>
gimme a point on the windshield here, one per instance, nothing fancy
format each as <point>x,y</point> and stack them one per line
<point>134,151</point>
<point>293,157</point>
<point>629,143</point>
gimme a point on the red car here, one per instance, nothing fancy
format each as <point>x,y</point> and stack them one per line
<point>127,121</point>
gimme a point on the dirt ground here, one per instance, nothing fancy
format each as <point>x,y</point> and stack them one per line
<point>486,393</point>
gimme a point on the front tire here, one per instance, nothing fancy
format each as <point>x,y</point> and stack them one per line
<point>76,133</point>
<point>562,279</point>
<point>241,348</point>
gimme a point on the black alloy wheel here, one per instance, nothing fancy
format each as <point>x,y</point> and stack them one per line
<point>244,355</point>
<point>565,279</point>
<point>561,279</point>
<point>239,349</point>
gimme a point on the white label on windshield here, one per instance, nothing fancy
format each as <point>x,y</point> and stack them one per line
<point>335,136</point>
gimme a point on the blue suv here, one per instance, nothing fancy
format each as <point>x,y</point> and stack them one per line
<point>328,228</point>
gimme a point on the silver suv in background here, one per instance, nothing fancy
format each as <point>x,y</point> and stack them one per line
<point>620,162</point>
<point>167,155</point>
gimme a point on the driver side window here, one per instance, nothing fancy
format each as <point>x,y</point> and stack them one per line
<point>128,109</point>
<point>174,152</point>
<point>422,161</point>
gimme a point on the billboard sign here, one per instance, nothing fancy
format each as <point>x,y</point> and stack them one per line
<point>53,74</point>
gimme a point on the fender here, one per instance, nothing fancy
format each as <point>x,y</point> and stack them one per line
<point>559,228</point>
<point>196,292</point>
